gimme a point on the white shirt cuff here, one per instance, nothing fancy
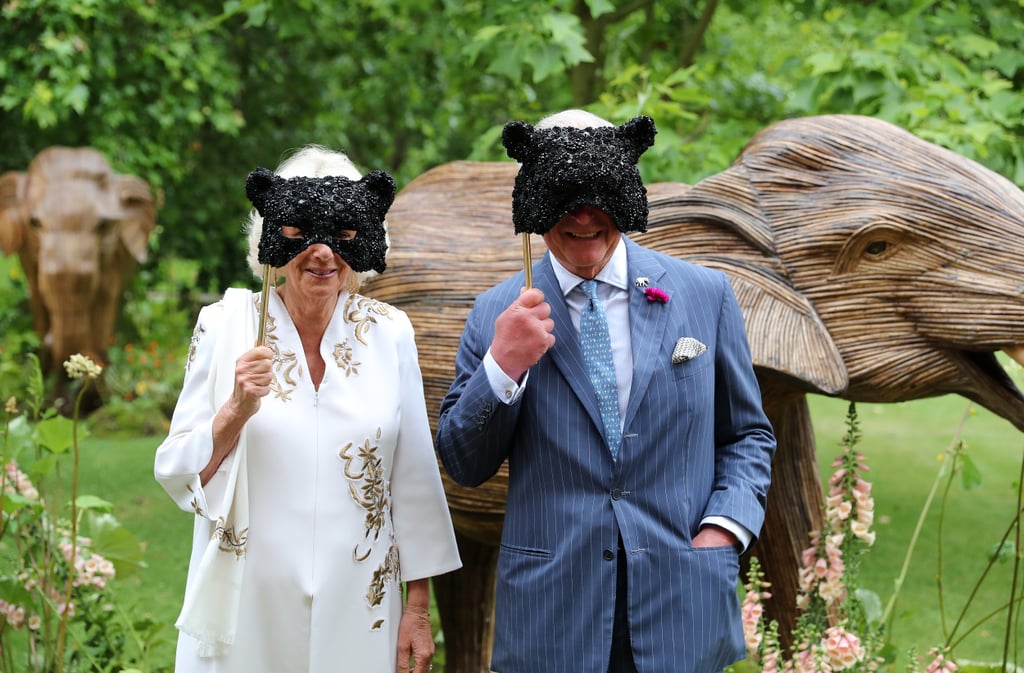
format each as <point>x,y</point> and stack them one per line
<point>505,389</point>
<point>742,534</point>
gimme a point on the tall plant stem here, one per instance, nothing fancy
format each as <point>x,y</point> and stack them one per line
<point>1016,568</point>
<point>940,529</point>
<point>952,645</point>
<point>63,627</point>
<point>977,587</point>
<point>898,583</point>
<point>3,476</point>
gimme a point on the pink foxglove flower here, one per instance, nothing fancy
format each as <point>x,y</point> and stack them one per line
<point>940,664</point>
<point>654,294</point>
<point>844,649</point>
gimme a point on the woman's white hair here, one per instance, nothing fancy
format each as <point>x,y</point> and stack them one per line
<point>311,161</point>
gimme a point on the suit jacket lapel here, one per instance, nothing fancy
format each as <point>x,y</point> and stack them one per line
<point>647,323</point>
<point>566,353</point>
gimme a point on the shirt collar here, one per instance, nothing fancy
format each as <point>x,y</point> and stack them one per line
<point>614,272</point>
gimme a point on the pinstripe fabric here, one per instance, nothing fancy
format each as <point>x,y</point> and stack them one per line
<point>695,443</point>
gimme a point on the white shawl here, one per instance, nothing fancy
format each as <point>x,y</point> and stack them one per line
<point>210,609</point>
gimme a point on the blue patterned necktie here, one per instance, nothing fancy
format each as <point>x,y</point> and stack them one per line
<point>597,353</point>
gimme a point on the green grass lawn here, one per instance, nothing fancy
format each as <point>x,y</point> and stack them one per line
<point>121,470</point>
<point>902,443</point>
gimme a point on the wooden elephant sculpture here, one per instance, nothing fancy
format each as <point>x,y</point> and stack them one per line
<point>870,265</point>
<point>79,230</point>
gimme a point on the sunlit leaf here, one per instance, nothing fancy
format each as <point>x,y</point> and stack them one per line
<point>115,543</point>
<point>871,603</point>
<point>13,592</point>
<point>824,62</point>
<point>19,438</point>
<point>93,502</point>
<point>55,434</point>
<point>600,7</point>
<point>970,476</point>
<point>15,501</point>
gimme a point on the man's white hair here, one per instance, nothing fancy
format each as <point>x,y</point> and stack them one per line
<point>311,161</point>
<point>575,118</point>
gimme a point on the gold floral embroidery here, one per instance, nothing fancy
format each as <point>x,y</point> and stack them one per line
<point>385,573</point>
<point>286,364</point>
<point>364,314</point>
<point>195,501</point>
<point>193,344</point>
<point>343,358</point>
<point>229,540</point>
<point>369,489</point>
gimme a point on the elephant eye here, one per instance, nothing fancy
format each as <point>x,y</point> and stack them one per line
<point>35,222</point>
<point>877,248</point>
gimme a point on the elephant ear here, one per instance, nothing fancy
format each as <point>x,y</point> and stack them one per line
<point>718,223</point>
<point>139,210</point>
<point>786,334</point>
<point>12,228</point>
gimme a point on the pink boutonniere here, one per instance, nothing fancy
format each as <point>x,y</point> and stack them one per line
<point>654,294</point>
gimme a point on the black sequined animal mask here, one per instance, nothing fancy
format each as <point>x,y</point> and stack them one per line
<point>563,168</point>
<point>321,208</point>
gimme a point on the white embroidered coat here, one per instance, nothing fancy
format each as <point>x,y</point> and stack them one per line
<point>345,496</point>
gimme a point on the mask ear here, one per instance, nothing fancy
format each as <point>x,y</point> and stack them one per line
<point>637,135</point>
<point>381,185</point>
<point>517,137</point>
<point>258,187</point>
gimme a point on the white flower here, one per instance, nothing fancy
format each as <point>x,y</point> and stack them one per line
<point>79,366</point>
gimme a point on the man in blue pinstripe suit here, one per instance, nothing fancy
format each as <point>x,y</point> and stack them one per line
<point>620,547</point>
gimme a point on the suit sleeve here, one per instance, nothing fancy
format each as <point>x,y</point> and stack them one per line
<point>744,440</point>
<point>475,428</point>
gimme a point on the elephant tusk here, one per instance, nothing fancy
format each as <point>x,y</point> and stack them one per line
<point>1017,353</point>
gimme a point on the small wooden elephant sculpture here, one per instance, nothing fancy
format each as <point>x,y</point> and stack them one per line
<point>79,229</point>
<point>870,265</point>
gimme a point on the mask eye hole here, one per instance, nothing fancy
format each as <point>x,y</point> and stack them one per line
<point>291,232</point>
<point>346,234</point>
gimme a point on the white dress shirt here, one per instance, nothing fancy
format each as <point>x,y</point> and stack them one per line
<point>612,290</point>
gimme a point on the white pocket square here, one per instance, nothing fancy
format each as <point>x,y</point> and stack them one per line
<point>687,348</point>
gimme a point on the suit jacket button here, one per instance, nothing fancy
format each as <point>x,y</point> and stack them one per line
<point>609,555</point>
<point>616,494</point>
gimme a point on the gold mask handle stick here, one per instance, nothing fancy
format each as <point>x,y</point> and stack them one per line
<point>527,260</point>
<point>261,337</point>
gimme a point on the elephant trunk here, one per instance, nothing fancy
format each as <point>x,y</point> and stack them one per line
<point>68,283</point>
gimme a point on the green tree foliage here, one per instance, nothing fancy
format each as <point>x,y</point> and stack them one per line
<point>193,98</point>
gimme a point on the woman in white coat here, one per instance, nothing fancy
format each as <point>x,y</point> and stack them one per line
<point>308,462</point>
